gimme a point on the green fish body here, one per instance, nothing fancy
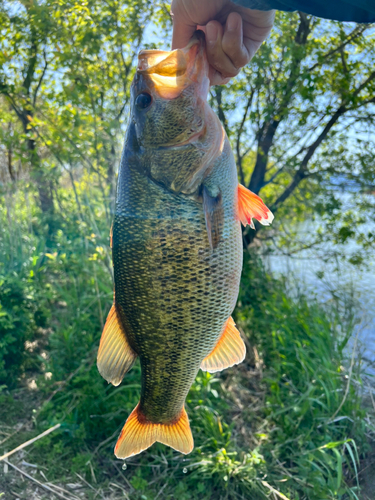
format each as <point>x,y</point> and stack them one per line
<point>177,248</point>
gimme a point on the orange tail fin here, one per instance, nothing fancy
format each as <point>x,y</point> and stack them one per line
<point>138,434</point>
<point>251,206</point>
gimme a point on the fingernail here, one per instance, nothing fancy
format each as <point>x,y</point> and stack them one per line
<point>234,23</point>
<point>211,32</point>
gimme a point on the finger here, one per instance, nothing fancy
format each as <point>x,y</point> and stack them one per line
<point>217,78</point>
<point>217,58</point>
<point>257,29</point>
<point>181,34</point>
<point>183,27</point>
<point>232,43</point>
<point>258,26</point>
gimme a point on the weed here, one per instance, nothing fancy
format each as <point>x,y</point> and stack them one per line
<point>289,420</point>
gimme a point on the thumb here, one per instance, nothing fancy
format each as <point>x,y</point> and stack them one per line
<point>181,34</point>
<point>183,29</point>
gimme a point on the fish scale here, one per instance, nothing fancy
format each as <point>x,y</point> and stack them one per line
<point>176,245</point>
<point>175,293</point>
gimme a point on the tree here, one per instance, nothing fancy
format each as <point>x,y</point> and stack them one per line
<point>297,119</point>
<point>65,71</point>
<point>25,33</point>
<point>299,116</point>
<point>98,44</point>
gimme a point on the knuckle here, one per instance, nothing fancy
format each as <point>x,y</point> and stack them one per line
<point>216,60</point>
<point>230,74</point>
<point>240,61</point>
<point>235,53</point>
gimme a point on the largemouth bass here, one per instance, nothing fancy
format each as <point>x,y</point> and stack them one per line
<point>176,245</point>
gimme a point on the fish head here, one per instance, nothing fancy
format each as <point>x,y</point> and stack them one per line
<point>168,95</point>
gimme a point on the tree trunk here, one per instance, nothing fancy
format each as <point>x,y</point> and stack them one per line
<point>264,146</point>
<point>43,185</point>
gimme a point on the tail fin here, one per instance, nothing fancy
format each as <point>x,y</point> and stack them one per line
<point>138,434</point>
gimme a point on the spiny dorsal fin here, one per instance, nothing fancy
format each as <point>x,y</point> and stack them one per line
<point>214,215</point>
<point>138,434</point>
<point>230,350</point>
<point>115,356</point>
<point>251,206</point>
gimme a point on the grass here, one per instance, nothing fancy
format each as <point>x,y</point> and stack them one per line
<point>288,421</point>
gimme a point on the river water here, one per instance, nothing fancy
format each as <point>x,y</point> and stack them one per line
<point>310,273</point>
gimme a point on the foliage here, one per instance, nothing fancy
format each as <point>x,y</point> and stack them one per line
<point>300,119</point>
<point>65,72</point>
<point>20,317</point>
<point>289,420</point>
<point>281,420</point>
<point>314,411</point>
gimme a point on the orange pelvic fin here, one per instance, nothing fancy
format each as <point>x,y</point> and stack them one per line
<point>138,434</point>
<point>230,350</point>
<point>115,356</point>
<point>251,206</point>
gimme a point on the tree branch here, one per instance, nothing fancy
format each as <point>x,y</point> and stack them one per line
<point>32,63</point>
<point>358,30</point>
<point>364,84</point>
<point>276,174</point>
<point>220,111</point>
<point>239,134</point>
<point>41,78</point>
<point>301,172</point>
<point>268,129</point>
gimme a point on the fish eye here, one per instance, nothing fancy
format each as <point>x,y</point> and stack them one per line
<point>143,100</point>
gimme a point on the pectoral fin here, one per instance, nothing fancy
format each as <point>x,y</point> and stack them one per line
<point>214,215</point>
<point>115,356</point>
<point>251,206</point>
<point>230,350</point>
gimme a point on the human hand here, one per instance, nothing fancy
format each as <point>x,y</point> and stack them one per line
<point>233,33</point>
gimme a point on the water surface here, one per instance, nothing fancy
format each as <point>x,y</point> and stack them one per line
<point>310,273</point>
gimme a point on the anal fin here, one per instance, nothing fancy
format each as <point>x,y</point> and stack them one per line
<point>138,434</point>
<point>251,206</point>
<point>115,356</point>
<point>230,350</point>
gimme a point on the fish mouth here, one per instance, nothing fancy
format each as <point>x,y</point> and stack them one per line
<point>169,73</point>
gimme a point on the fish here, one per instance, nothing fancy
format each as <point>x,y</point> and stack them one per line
<point>176,245</point>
